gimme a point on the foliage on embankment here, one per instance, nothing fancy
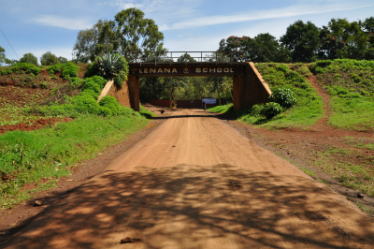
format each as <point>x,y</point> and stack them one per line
<point>295,103</point>
<point>33,160</point>
<point>351,86</point>
<point>39,156</point>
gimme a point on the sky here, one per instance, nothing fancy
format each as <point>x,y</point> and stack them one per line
<point>38,26</point>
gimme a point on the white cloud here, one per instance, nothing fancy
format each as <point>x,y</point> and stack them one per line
<point>163,11</point>
<point>131,5</point>
<point>63,22</point>
<point>296,10</point>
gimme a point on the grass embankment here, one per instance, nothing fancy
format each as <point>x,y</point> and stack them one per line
<point>34,160</point>
<point>304,113</point>
<point>351,86</point>
<point>39,157</point>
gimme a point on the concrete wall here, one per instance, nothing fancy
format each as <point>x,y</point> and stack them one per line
<point>122,95</point>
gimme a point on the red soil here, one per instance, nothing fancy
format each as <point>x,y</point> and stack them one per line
<point>37,124</point>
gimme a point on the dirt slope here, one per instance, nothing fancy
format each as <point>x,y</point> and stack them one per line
<point>195,182</point>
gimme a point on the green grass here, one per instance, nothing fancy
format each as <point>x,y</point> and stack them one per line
<point>46,154</point>
<point>352,113</point>
<point>361,143</point>
<point>351,86</point>
<point>339,164</point>
<point>308,108</point>
<point>220,108</point>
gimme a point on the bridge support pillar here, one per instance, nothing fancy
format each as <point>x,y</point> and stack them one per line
<point>134,92</point>
<point>249,88</point>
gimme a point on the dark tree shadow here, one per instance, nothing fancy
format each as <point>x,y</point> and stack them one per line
<point>195,207</point>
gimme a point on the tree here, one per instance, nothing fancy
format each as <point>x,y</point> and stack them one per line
<point>48,59</point>
<point>186,58</point>
<point>29,58</point>
<point>62,59</point>
<point>263,47</point>
<point>139,37</point>
<point>266,47</point>
<point>302,39</point>
<point>99,40</point>
<point>342,39</point>
<point>234,48</point>
<point>130,34</point>
<point>2,55</point>
<point>368,28</point>
<point>368,25</point>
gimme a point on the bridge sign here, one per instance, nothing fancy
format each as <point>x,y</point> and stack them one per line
<point>209,101</point>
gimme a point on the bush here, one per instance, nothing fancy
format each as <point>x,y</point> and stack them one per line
<point>283,96</point>
<point>21,67</point>
<point>94,83</point>
<point>76,82</point>
<point>256,109</point>
<point>67,70</point>
<point>86,102</point>
<point>271,109</point>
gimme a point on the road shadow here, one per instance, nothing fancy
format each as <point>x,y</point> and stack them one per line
<point>186,206</point>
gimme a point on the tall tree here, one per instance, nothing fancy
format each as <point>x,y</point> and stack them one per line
<point>342,39</point>
<point>29,58</point>
<point>186,58</point>
<point>368,25</point>
<point>139,37</point>
<point>234,48</point>
<point>263,47</point>
<point>130,34</point>
<point>368,28</point>
<point>2,55</point>
<point>302,39</point>
<point>97,41</point>
<point>62,59</point>
<point>266,47</point>
<point>48,59</point>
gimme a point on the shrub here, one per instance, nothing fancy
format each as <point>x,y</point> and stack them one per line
<point>5,70</point>
<point>86,102</point>
<point>23,67</point>
<point>256,109</point>
<point>76,82</point>
<point>94,83</point>
<point>67,70</point>
<point>271,109</point>
<point>283,96</point>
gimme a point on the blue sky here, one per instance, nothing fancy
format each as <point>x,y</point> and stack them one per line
<point>38,26</point>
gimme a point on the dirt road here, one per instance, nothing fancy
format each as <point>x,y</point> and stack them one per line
<point>195,182</point>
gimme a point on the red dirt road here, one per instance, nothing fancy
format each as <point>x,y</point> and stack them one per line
<point>195,182</point>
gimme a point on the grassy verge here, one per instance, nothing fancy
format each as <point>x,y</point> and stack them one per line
<point>351,86</point>
<point>220,108</point>
<point>351,167</point>
<point>39,157</point>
